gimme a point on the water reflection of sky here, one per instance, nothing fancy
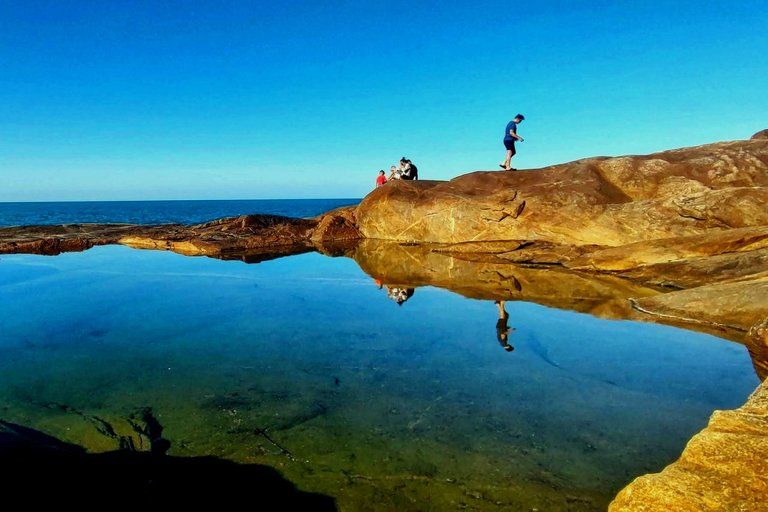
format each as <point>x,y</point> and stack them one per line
<point>309,348</point>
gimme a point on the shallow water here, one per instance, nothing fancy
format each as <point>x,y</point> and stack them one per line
<point>304,364</point>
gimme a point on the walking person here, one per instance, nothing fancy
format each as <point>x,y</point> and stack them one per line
<point>503,329</point>
<point>510,137</point>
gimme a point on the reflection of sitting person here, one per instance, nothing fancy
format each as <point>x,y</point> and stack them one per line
<point>502,327</point>
<point>399,295</point>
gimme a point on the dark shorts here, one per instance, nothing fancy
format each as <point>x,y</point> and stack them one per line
<point>510,144</point>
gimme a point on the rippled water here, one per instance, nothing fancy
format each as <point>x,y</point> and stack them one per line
<point>306,365</point>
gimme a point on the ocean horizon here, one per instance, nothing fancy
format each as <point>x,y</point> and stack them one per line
<point>164,211</point>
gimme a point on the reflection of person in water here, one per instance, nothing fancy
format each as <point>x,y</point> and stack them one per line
<point>399,295</point>
<point>502,327</point>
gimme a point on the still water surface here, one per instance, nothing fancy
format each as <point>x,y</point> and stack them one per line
<point>304,364</point>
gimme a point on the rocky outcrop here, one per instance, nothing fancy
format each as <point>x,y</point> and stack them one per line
<point>601,201</point>
<point>52,240</point>
<point>239,237</point>
<point>724,467</point>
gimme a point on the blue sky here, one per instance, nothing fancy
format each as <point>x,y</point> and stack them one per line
<point>112,100</point>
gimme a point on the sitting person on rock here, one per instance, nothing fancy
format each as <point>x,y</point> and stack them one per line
<point>380,179</point>
<point>409,170</point>
<point>405,169</point>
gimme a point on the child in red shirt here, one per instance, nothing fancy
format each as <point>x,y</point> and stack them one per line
<point>380,179</point>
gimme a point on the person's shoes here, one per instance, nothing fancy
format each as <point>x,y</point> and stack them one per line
<point>503,166</point>
<point>511,169</point>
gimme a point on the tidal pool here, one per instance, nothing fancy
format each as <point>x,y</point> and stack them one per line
<point>304,364</point>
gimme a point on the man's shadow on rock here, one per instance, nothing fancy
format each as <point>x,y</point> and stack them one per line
<point>41,469</point>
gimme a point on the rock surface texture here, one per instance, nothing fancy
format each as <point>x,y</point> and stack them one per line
<point>602,201</point>
<point>678,237</point>
<point>724,467</point>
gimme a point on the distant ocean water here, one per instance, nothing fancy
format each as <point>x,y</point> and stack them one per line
<point>159,212</point>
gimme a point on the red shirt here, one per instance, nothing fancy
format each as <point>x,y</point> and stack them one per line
<point>380,180</point>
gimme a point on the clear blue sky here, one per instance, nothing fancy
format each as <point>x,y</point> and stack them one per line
<point>111,100</point>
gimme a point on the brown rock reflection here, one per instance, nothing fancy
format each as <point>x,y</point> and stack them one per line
<point>419,265</point>
<point>603,295</point>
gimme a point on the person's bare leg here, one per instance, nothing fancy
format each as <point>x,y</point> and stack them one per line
<point>506,164</point>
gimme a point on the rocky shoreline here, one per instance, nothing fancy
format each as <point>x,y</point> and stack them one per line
<point>677,237</point>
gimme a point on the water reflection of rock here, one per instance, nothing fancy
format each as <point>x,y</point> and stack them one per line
<point>257,255</point>
<point>604,295</point>
<point>420,265</point>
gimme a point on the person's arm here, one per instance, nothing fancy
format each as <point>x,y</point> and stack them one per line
<point>515,135</point>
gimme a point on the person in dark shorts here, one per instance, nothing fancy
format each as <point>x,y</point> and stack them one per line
<point>502,327</point>
<point>510,137</point>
